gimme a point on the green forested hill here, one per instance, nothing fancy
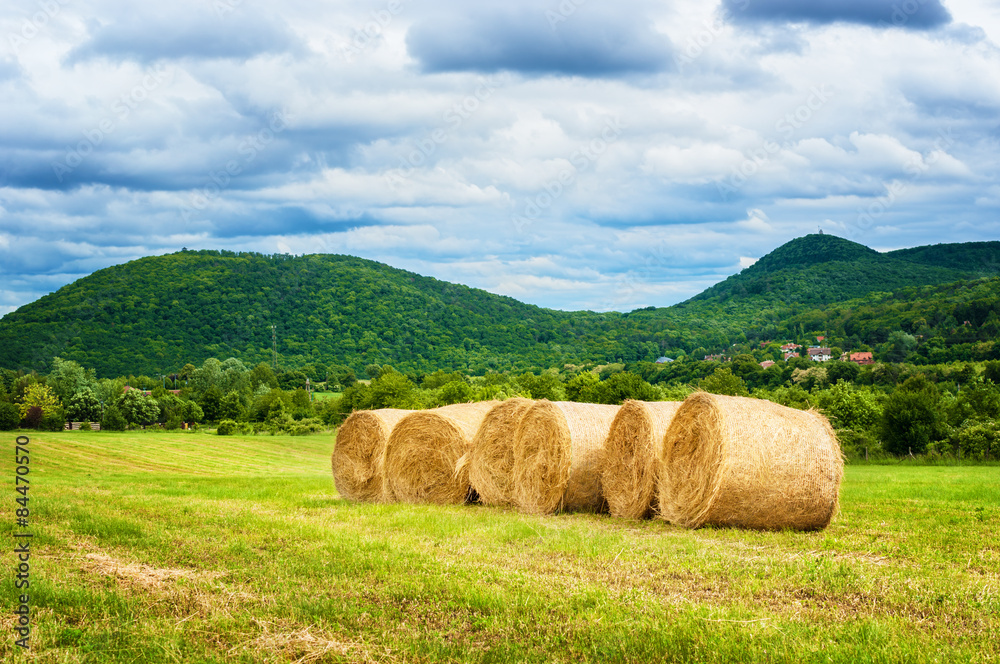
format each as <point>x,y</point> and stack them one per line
<point>156,314</point>
<point>823,269</point>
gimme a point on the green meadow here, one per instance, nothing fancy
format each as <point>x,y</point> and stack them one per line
<point>190,547</point>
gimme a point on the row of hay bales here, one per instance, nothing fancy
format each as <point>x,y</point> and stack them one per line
<point>728,461</point>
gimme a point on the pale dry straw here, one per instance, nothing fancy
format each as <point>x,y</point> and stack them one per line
<point>421,461</point>
<point>749,463</point>
<point>558,456</point>
<point>633,454</point>
<point>491,460</point>
<point>359,454</point>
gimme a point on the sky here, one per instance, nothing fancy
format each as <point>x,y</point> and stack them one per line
<point>575,154</point>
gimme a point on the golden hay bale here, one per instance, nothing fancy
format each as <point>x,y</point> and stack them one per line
<point>491,460</point>
<point>359,454</point>
<point>424,449</point>
<point>632,457</point>
<point>734,461</point>
<point>558,453</point>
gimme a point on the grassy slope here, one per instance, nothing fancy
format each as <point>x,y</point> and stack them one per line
<point>191,547</point>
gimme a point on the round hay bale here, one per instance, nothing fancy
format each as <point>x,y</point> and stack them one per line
<point>633,453</point>
<point>423,451</point>
<point>749,463</point>
<point>491,460</point>
<point>558,454</point>
<point>358,458</point>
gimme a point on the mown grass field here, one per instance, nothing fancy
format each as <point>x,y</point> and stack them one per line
<point>190,547</point>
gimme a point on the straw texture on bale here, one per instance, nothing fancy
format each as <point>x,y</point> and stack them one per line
<point>424,449</point>
<point>558,454</point>
<point>491,460</point>
<point>734,461</point>
<point>359,454</point>
<point>633,454</point>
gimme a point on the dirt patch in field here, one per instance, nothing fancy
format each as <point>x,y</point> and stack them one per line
<point>139,573</point>
<point>304,645</point>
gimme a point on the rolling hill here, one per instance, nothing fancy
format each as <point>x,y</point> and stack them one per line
<point>155,314</point>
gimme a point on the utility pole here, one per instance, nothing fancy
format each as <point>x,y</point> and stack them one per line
<point>274,348</point>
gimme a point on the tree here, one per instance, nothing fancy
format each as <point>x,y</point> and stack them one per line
<point>41,397</point>
<point>837,371</point>
<point>622,386</point>
<point>722,381</point>
<point>9,416</point>
<point>912,417</point>
<point>67,378</point>
<point>137,408</point>
<point>582,387</point>
<point>456,391</point>
<point>113,420</point>
<point>84,406</point>
<point>211,403</point>
<point>263,375</point>
<point>233,406</point>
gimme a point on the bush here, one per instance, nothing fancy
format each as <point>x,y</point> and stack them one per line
<point>33,417</point>
<point>912,417</point>
<point>113,419</point>
<point>228,428</point>
<point>724,382</point>
<point>9,416</point>
<point>980,440</point>
<point>53,421</point>
<point>622,386</point>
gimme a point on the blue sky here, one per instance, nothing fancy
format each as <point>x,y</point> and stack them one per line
<point>577,154</point>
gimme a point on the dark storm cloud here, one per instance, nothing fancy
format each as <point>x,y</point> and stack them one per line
<point>910,14</point>
<point>534,40</point>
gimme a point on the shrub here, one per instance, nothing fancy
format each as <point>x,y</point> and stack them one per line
<point>622,386</point>
<point>228,428</point>
<point>912,417</point>
<point>306,427</point>
<point>9,416</point>
<point>53,421</point>
<point>980,440</point>
<point>33,417</point>
<point>724,382</point>
<point>113,419</point>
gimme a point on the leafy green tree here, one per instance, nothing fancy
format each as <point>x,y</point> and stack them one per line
<point>113,420</point>
<point>582,387</point>
<point>67,378</point>
<point>41,397</point>
<point>837,371</point>
<point>211,403</point>
<point>546,386</point>
<point>456,391</point>
<point>722,381</point>
<point>980,440</point>
<point>84,406</point>
<point>137,408</point>
<point>851,408</point>
<point>622,386</point>
<point>263,375</point>
<point>234,406</point>
<point>10,417</point>
<point>912,418</point>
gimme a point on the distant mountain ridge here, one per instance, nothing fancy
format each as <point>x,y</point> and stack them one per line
<point>155,314</point>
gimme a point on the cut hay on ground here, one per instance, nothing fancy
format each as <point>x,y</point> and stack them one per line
<point>632,456</point>
<point>558,454</point>
<point>359,454</point>
<point>424,449</point>
<point>491,460</point>
<point>733,461</point>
